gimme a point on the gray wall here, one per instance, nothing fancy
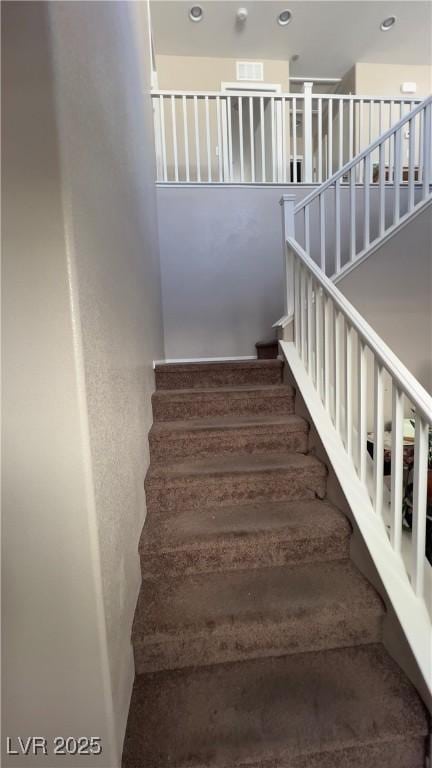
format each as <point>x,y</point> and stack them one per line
<point>82,325</point>
<point>221,264</point>
<point>393,291</point>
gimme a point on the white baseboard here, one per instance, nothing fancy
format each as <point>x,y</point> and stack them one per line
<point>203,360</point>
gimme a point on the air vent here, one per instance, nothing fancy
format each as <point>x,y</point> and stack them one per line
<point>250,70</point>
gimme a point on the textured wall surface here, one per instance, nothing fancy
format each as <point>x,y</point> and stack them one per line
<point>55,671</point>
<point>82,325</point>
<point>107,152</point>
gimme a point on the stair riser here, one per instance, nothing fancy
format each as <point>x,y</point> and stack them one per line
<point>208,406</point>
<point>390,754</point>
<point>254,486</point>
<point>228,377</point>
<point>241,553</point>
<point>193,444</point>
<point>238,642</point>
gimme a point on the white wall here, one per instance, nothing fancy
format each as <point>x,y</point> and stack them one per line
<point>82,324</point>
<point>393,291</point>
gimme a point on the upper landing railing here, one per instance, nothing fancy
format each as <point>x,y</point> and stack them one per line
<point>256,137</point>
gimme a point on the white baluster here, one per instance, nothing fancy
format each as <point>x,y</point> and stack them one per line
<point>263,163</point>
<point>322,232</point>
<point>297,298</point>
<point>320,141</point>
<point>174,132</point>
<point>303,315</point>
<point>341,136</point>
<point>230,143</point>
<point>208,140</point>
<point>366,187</point>
<point>337,368</point>
<point>348,389</point>
<point>273,140</point>
<point>318,341</point>
<point>411,164</point>
<point>330,137</point>
<point>197,140</point>
<point>420,145</point>
<point>252,139</point>
<point>337,227</point>
<point>381,189</point>
<point>309,325</point>
<point>307,132</point>
<point>284,144</point>
<point>294,125</point>
<point>378,460</point>
<point>287,203</point>
<point>396,468</point>
<point>360,137</point>
<point>426,144</point>
<point>218,119</point>
<point>163,139</point>
<point>361,409</point>
<point>351,130</point>
<point>186,138</point>
<point>240,119</point>
<point>396,177</point>
<point>352,229</point>
<point>419,504</point>
<point>327,369</point>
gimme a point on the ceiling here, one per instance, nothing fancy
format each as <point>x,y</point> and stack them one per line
<point>328,37</point>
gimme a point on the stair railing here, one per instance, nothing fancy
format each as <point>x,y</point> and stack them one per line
<point>351,372</point>
<point>260,135</point>
<point>369,196</point>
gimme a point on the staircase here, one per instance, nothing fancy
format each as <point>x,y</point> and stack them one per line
<point>257,642</point>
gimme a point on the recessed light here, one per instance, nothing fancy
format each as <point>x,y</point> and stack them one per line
<point>196,13</point>
<point>284,17</point>
<point>388,23</point>
<point>242,15</point>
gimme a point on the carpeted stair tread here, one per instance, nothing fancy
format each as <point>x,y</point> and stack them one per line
<point>241,390</point>
<point>211,374</point>
<point>243,535</point>
<point>296,519</point>
<point>289,421</point>
<point>341,708</point>
<point>239,464</point>
<point>261,593</point>
<point>245,399</point>
<point>197,438</point>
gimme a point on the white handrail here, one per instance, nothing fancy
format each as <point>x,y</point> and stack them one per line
<point>363,154</point>
<point>411,387</point>
<point>285,95</point>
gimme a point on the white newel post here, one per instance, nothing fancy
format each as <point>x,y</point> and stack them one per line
<point>307,134</point>
<point>288,230</point>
